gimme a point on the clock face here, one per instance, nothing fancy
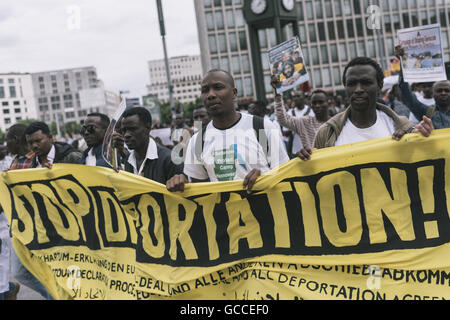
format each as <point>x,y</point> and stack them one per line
<point>258,6</point>
<point>288,4</point>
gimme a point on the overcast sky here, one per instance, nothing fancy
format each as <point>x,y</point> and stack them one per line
<point>118,37</point>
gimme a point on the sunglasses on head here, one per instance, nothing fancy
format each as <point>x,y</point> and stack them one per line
<point>90,128</point>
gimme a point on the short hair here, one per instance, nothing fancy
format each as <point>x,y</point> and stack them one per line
<point>104,119</point>
<point>317,91</point>
<point>200,106</point>
<point>143,114</point>
<point>361,61</point>
<point>260,104</point>
<point>17,130</point>
<point>36,126</point>
<point>227,73</point>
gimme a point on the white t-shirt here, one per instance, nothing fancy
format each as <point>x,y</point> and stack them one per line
<point>383,127</point>
<point>232,153</point>
<point>297,142</point>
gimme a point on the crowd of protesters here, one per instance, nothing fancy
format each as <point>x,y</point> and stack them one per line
<point>231,142</point>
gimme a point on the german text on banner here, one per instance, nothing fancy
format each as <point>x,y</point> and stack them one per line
<point>362,221</point>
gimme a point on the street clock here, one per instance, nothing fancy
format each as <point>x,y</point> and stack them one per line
<point>288,5</point>
<point>258,6</point>
<point>262,14</point>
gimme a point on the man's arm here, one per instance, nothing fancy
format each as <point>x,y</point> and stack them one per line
<point>408,97</point>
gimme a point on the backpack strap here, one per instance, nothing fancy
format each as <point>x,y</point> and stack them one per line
<point>308,110</point>
<point>258,126</point>
<point>200,143</point>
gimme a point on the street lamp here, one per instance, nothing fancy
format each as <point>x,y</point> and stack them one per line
<point>162,30</point>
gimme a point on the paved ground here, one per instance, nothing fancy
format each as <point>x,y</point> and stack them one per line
<point>27,294</point>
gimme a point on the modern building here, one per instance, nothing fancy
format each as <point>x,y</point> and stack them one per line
<point>185,73</point>
<point>332,32</point>
<point>70,94</point>
<point>16,98</point>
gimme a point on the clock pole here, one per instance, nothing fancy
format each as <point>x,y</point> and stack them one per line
<point>261,14</point>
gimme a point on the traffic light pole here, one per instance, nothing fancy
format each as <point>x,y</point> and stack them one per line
<point>162,30</point>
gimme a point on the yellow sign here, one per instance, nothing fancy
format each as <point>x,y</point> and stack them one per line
<point>362,221</point>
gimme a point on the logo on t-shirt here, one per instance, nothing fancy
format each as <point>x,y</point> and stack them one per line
<point>225,163</point>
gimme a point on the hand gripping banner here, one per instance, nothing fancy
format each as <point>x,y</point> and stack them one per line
<point>362,221</point>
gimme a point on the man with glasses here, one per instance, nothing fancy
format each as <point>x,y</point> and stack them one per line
<point>93,131</point>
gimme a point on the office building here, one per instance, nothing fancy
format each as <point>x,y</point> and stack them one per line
<point>332,32</point>
<point>186,74</point>
<point>16,98</point>
<point>69,94</point>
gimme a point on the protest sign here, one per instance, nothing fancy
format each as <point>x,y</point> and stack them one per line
<point>163,134</point>
<point>363,221</point>
<point>423,58</point>
<point>287,63</point>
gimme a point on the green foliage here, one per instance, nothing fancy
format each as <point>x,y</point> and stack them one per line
<point>27,121</point>
<point>71,127</point>
<point>2,137</point>
<point>188,109</point>
<point>165,113</point>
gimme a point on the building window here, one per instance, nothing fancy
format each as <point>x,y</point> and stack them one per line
<point>222,43</point>
<point>230,18</point>
<point>239,87</point>
<point>248,86</point>
<point>326,77</point>
<point>5,111</point>
<point>317,78</point>
<point>233,42</point>
<point>242,40</point>
<point>312,32</point>
<point>209,21</point>
<point>212,44</point>
<point>7,120</point>
<point>17,110</point>
<point>245,63</point>
<point>2,92</point>
<point>12,92</point>
<point>16,103</point>
<point>239,16</point>
<point>219,19</point>
<point>11,81</point>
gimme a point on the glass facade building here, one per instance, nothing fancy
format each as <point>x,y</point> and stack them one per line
<point>332,32</point>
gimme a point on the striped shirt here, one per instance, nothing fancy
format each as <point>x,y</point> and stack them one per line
<point>306,126</point>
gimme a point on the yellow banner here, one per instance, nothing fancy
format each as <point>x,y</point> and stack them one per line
<point>364,221</point>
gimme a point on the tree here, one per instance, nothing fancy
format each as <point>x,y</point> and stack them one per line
<point>72,127</point>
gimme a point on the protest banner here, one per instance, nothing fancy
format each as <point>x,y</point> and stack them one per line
<point>287,63</point>
<point>362,221</point>
<point>423,58</point>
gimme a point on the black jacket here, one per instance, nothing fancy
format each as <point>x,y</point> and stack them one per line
<point>161,169</point>
<point>100,162</point>
<point>64,153</point>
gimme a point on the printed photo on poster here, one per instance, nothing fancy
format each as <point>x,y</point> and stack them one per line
<point>287,63</point>
<point>423,58</point>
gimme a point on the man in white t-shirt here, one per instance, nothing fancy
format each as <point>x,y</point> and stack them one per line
<point>230,149</point>
<point>364,119</point>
